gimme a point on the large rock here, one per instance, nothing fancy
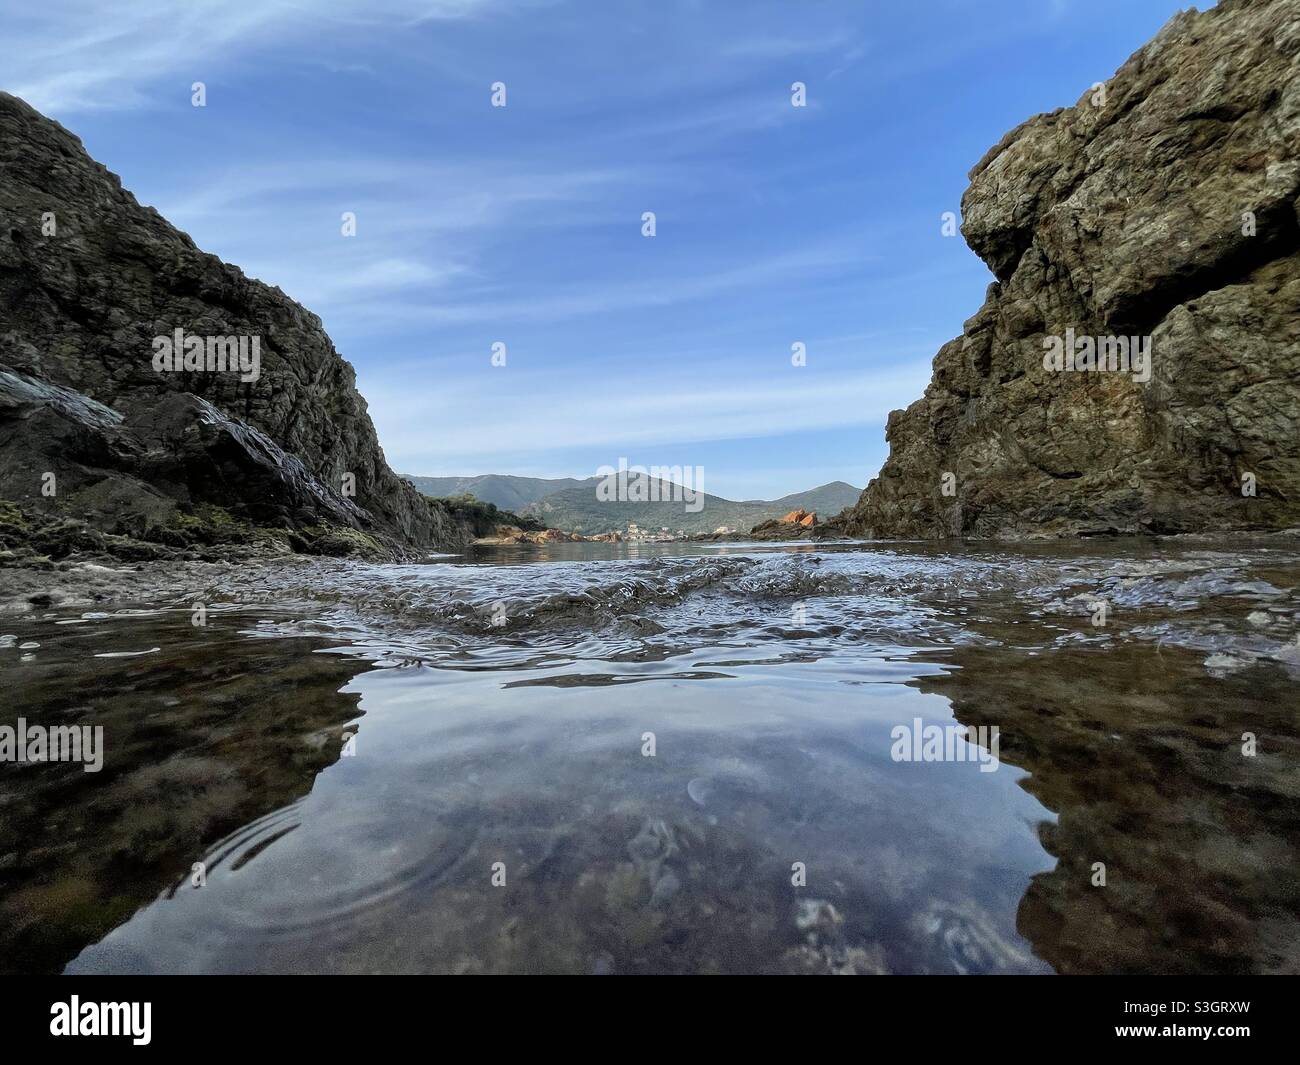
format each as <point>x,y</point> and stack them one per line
<point>800,517</point>
<point>1166,206</point>
<point>88,279</point>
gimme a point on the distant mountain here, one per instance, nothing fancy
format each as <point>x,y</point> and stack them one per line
<point>508,493</point>
<point>827,500</point>
<point>573,505</point>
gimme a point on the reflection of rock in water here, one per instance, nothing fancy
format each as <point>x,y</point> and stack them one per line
<point>1141,754</point>
<point>200,738</point>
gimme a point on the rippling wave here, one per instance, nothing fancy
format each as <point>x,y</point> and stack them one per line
<point>1237,605</point>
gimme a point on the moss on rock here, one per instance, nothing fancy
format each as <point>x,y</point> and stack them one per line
<point>339,542</point>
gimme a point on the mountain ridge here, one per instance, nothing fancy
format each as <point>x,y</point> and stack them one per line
<point>572,505</point>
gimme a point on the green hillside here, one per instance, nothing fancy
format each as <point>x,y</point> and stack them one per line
<point>573,506</point>
<point>506,492</point>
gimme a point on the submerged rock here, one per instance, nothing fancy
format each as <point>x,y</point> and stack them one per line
<point>94,434</point>
<point>1162,209</point>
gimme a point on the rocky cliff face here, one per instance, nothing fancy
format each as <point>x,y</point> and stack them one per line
<point>93,431</point>
<point>1163,208</point>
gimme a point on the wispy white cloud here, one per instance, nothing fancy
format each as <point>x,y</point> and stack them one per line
<point>682,403</point>
<point>773,46</point>
<point>423,261</point>
<point>735,116</point>
<point>65,56</point>
<point>419,225</point>
<point>550,303</point>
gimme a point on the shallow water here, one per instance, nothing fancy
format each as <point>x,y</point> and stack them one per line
<point>610,758</point>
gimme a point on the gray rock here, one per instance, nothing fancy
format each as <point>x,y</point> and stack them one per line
<point>1126,216</point>
<point>131,447</point>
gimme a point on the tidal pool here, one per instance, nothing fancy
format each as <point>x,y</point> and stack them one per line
<point>603,759</point>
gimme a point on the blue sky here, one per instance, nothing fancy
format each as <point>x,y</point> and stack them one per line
<point>522,225</point>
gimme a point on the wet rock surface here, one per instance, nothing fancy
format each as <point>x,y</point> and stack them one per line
<point>88,279</point>
<point>1163,205</point>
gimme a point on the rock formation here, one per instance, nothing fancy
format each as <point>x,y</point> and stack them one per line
<point>1163,207</point>
<point>96,439</point>
<point>807,518</point>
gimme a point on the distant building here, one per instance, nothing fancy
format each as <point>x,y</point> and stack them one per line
<point>649,536</point>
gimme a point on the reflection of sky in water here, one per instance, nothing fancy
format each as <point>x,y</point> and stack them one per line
<point>614,860</point>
